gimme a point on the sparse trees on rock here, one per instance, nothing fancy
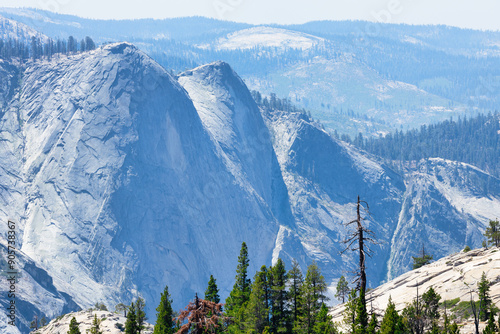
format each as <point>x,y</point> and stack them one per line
<point>96,323</point>
<point>73,327</point>
<point>492,233</point>
<point>483,287</point>
<point>422,260</point>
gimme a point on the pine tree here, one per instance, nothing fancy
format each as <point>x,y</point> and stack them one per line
<point>324,323</point>
<point>120,307</point>
<point>312,295</point>
<point>391,322</point>
<point>422,260</point>
<point>279,297</point>
<point>131,323</point>
<point>212,292</point>
<point>342,289</point>
<point>165,314</point>
<point>73,327</point>
<point>430,301</point>
<point>257,311</point>
<point>372,325</point>
<point>350,310</point>
<point>240,294</point>
<point>361,322</point>
<point>491,327</point>
<point>140,314</point>
<point>484,297</point>
<point>493,233</point>
<point>295,280</point>
<point>95,329</point>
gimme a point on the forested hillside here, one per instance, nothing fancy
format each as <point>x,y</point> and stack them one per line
<point>471,140</point>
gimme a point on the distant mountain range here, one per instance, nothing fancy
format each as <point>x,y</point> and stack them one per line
<point>354,76</point>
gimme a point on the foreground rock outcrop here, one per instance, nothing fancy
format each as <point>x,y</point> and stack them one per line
<point>454,276</point>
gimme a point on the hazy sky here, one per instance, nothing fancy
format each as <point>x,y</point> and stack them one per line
<point>478,14</point>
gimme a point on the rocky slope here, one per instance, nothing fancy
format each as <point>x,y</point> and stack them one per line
<point>109,322</point>
<point>452,277</point>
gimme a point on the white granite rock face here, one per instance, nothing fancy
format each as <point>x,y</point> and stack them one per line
<point>123,179</point>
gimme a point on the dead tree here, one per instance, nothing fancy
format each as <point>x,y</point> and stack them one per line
<point>362,235</point>
<point>202,316</point>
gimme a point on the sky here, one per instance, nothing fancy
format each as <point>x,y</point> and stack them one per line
<point>475,14</point>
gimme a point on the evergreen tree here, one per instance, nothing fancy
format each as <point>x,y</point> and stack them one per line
<point>492,233</point>
<point>350,310</point>
<point>240,294</point>
<point>120,307</point>
<point>73,327</point>
<point>324,323</point>
<point>165,314</point>
<point>212,292</point>
<point>430,301</point>
<point>43,321</point>
<point>312,295</point>
<point>434,328</point>
<point>422,260</point>
<point>71,44</point>
<point>342,289</point>
<point>279,297</point>
<point>295,280</point>
<point>491,327</point>
<point>257,311</point>
<point>484,297</point>
<point>140,314</point>
<point>100,307</point>
<point>89,43</point>
<point>361,322</point>
<point>372,325</point>
<point>95,329</point>
<point>454,328</point>
<point>391,322</point>
<point>131,323</point>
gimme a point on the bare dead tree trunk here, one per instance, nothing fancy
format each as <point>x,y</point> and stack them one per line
<point>362,273</point>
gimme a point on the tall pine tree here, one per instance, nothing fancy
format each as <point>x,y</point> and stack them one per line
<point>164,316</point>
<point>295,280</point>
<point>240,294</point>
<point>312,295</point>
<point>279,296</point>
<point>257,309</point>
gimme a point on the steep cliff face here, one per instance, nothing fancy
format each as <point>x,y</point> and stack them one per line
<point>125,181</point>
<point>446,206</point>
<point>324,177</point>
